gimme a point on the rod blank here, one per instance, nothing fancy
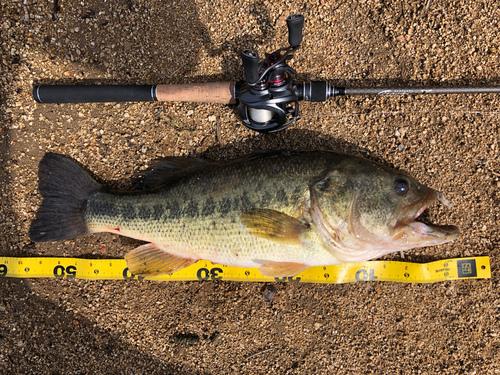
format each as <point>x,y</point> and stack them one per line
<point>422,90</point>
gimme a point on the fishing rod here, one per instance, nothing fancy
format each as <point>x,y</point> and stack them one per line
<point>268,98</point>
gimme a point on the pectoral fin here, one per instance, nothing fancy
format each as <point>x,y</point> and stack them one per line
<point>282,269</point>
<point>273,225</point>
<point>148,260</point>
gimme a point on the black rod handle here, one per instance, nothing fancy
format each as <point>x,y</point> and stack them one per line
<point>94,93</point>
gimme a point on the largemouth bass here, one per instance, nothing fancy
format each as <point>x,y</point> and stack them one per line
<point>279,211</point>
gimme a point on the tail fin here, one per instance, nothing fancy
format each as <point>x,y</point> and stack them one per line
<point>65,188</point>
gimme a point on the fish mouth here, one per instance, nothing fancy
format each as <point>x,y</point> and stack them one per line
<point>420,234</point>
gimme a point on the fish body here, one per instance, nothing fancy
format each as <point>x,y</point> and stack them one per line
<point>279,211</point>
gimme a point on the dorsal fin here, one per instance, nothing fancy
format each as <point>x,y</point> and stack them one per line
<point>263,153</point>
<point>165,169</point>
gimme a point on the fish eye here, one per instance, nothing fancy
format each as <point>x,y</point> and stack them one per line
<point>401,186</point>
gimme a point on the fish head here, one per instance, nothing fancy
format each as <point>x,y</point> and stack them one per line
<point>363,210</point>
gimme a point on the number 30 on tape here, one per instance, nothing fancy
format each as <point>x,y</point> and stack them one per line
<point>116,269</point>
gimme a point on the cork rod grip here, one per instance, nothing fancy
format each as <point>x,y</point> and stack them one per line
<point>213,92</point>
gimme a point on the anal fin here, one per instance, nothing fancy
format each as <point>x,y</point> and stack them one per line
<point>282,269</point>
<point>148,260</point>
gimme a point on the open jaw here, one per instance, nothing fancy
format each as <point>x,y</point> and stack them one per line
<point>418,234</point>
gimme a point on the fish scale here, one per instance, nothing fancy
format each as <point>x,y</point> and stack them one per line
<point>213,229</point>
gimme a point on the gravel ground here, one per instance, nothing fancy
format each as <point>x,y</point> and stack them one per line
<point>451,143</point>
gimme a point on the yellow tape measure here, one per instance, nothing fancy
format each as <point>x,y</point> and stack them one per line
<point>116,269</point>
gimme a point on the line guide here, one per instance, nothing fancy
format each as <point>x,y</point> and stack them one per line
<point>116,269</point>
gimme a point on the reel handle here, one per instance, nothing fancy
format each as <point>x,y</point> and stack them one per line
<point>295,23</point>
<point>250,61</point>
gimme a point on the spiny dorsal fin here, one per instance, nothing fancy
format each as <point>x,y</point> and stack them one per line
<point>165,169</point>
<point>273,225</point>
<point>282,269</point>
<point>148,260</point>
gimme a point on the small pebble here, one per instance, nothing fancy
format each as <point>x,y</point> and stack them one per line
<point>269,293</point>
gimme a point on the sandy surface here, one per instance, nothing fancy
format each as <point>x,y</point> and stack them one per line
<point>448,142</point>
